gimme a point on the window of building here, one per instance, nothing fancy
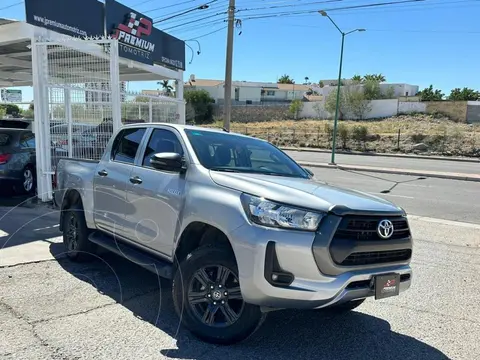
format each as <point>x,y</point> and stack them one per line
<point>270,93</point>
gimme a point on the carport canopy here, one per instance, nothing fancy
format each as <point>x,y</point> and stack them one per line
<point>16,57</point>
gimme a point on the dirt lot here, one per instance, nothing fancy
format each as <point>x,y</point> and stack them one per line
<point>404,133</point>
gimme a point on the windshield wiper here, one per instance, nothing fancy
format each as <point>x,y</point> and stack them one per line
<point>224,169</point>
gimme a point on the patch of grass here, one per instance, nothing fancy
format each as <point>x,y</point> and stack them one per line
<point>442,135</point>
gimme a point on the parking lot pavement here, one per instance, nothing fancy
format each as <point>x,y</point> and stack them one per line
<point>110,308</point>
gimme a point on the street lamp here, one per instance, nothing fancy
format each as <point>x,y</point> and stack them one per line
<point>335,123</point>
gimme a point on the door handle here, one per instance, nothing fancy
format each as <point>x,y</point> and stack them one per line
<point>102,173</point>
<point>135,180</point>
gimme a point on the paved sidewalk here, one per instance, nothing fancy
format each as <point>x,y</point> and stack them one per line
<point>427,173</point>
<point>394,155</point>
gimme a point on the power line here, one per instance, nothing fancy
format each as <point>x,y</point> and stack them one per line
<point>339,8</point>
<point>294,5</point>
<point>398,8</point>
<point>192,16</point>
<point>190,22</point>
<point>201,7</point>
<point>168,6</point>
<point>397,30</point>
<point>186,10</point>
<point>207,34</point>
<point>10,6</point>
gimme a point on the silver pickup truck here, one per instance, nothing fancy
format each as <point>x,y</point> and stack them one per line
<point>239,227</point>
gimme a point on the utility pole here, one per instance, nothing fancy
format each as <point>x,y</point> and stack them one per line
<point>227,107</point>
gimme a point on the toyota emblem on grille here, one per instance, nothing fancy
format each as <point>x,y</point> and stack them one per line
<point>385,229</point>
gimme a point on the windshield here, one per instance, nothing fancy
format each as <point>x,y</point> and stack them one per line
<point>233,153</point>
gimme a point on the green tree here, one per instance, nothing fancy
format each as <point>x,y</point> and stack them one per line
<point>3,112</point>
<point>357,78</point>
<point>11,109</point>
<point>390,93</point>
<point>321,84</point>
<point>352,102</point>
<point>307,81</point>
<point>374,77</point>
<point>166,87</point>
<point>430,94</point>
<point>372,89</point>
<point>285,79</point>
<point>465,94</point>
<point>201,103</point>
<point>295,107</point>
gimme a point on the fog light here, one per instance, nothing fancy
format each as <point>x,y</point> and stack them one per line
<point>274,277</point>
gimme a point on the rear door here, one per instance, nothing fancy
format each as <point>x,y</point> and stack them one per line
<point>158,197</point>
<point>111,179</point>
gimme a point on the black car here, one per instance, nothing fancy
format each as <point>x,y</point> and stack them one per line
<point>18,159</point>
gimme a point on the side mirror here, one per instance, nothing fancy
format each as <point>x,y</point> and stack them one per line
<point>310,172</point>
<point>167,161</point>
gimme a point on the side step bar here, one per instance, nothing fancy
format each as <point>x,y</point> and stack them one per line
<point>151,263</point>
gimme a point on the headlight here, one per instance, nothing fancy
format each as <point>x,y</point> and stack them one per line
<point>268,213</point>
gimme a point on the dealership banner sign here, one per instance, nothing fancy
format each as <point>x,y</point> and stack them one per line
<point>139,40</point>
<point>75,18</point>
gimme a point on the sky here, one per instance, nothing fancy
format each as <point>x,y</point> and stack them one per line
<point>418,42</point>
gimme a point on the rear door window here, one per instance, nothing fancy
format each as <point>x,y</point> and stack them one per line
<point>126,145</point>
<point>4,139</point>
<point>27,140</point>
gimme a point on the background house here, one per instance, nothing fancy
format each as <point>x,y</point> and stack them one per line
<point>248,92</point>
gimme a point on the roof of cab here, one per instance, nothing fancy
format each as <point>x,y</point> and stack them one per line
<point>187,127</point>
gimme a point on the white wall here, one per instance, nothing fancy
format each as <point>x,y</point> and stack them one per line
<point>247,93</point>
<point>406,107</point>
<point>382,108</point>
<point>379,109</point>
<point>314,110</point>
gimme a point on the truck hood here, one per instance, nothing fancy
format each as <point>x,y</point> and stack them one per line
<point>306,193</point>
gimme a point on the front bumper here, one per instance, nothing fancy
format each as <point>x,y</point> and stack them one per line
<point>317,280</point>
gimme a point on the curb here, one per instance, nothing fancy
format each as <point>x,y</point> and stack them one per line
<point>424,157</point>
<point>431,174</point>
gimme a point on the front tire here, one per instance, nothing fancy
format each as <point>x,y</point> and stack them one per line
<point>75,235</point>
<point>207,298</point>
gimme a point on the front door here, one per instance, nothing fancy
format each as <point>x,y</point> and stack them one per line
<point>158,196</point>
<point>111,179</point>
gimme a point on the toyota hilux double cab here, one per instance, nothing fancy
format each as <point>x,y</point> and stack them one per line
<point>239,227</point>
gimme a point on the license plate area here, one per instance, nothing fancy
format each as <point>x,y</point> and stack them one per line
<point>386,285</point>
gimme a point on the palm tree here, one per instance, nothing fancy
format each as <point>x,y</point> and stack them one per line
<point>306,80</point>
<point>357,78</point>
<point>285,79</point>
<point>166,87</point>
<point>374,77</point>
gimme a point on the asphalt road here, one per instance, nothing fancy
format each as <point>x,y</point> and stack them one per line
<point>389,162</point>
<point>113,309</point>
<point>51,308</point>
<point>438,198</point>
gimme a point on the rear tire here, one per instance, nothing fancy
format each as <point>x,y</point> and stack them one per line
<point>207,298</point>
<point>75,235</point>
<point>28,183</point>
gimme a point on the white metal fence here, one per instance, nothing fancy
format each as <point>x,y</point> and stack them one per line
<point>78,103</point>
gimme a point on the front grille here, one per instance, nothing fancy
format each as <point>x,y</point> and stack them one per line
<point>377,257</point>
<point>365,228</point>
